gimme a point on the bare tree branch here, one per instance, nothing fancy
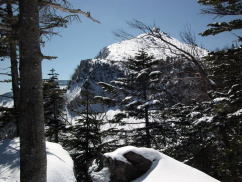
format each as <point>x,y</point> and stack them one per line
<point>6,74</point>
<point>68,10</point>
<point>5,81</point>
<point>49,57</point>
<point>191,55</point>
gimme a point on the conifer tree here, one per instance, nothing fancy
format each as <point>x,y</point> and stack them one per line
<point>85,141</point>
<point>8,50</point>
<point>221,8</point>
<point>33,161</point>
<point>53,106</point>
<point>211,141</point>
<point>135,92</point>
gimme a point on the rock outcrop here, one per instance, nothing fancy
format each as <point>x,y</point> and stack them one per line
<point>133,164</point>
<point>124,171</point>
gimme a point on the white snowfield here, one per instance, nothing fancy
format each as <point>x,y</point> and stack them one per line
<point>164,168</point>
<point>59,162</point>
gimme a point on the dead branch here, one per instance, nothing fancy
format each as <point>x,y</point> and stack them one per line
<point>49,57</point>
<point>68,10</point>
<point>6,74</point>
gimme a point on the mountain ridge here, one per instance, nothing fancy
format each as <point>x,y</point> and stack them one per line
<point>152,45</point>
<point>108,65</point>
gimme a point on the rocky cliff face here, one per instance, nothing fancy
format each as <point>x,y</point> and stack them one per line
<point>91,71</point>
<point>179,76</point>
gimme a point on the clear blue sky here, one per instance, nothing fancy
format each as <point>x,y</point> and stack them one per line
<point>84,40</point>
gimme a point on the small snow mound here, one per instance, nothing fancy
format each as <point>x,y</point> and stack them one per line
<point>59,162</point>
<point>148,153</point>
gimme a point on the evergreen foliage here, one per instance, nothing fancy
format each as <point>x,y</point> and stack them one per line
<point>223,8</point>
<point>134,93</point>
<point>84,140</point>
<point>208,134</point>
<point>53,107</point>
<point>225,68</point>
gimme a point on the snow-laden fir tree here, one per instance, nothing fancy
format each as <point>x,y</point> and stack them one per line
<point>53,107</point>
<point>221,8</point>
<point>135,94</point>
<point>211,139</point>
<point>84,141</point>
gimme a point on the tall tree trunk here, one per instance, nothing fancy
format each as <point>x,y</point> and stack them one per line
<point>14,67</point>
<point>32,137</point>
<point>15,82</point>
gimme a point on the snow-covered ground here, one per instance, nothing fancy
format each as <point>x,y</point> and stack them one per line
<point>164,168</point>
<point>59,163</point>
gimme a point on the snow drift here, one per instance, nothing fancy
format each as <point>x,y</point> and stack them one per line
<point>163,168</point>
<point>59,163</point>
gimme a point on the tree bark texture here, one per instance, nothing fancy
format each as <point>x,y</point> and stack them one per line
<point>14,66</point>
<point>32,136</point>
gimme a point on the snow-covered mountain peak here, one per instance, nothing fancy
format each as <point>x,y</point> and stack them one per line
<point>152,45</point>
<point>107,66</point>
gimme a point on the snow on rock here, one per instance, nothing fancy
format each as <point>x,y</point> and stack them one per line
<point>59,163</point>
<point>122,165</point>
<point>164,168</point>
<point>145,152</point>
<point>170,170</point>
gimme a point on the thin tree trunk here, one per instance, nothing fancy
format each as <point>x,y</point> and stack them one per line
<point>56,129</point>
<point>87,134</point>
<point>147,123</point>
<point>14,68</point>
<point>32,137</point>
<point>14,73</point>
<point>147,128</point>
<point>15,83</point>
